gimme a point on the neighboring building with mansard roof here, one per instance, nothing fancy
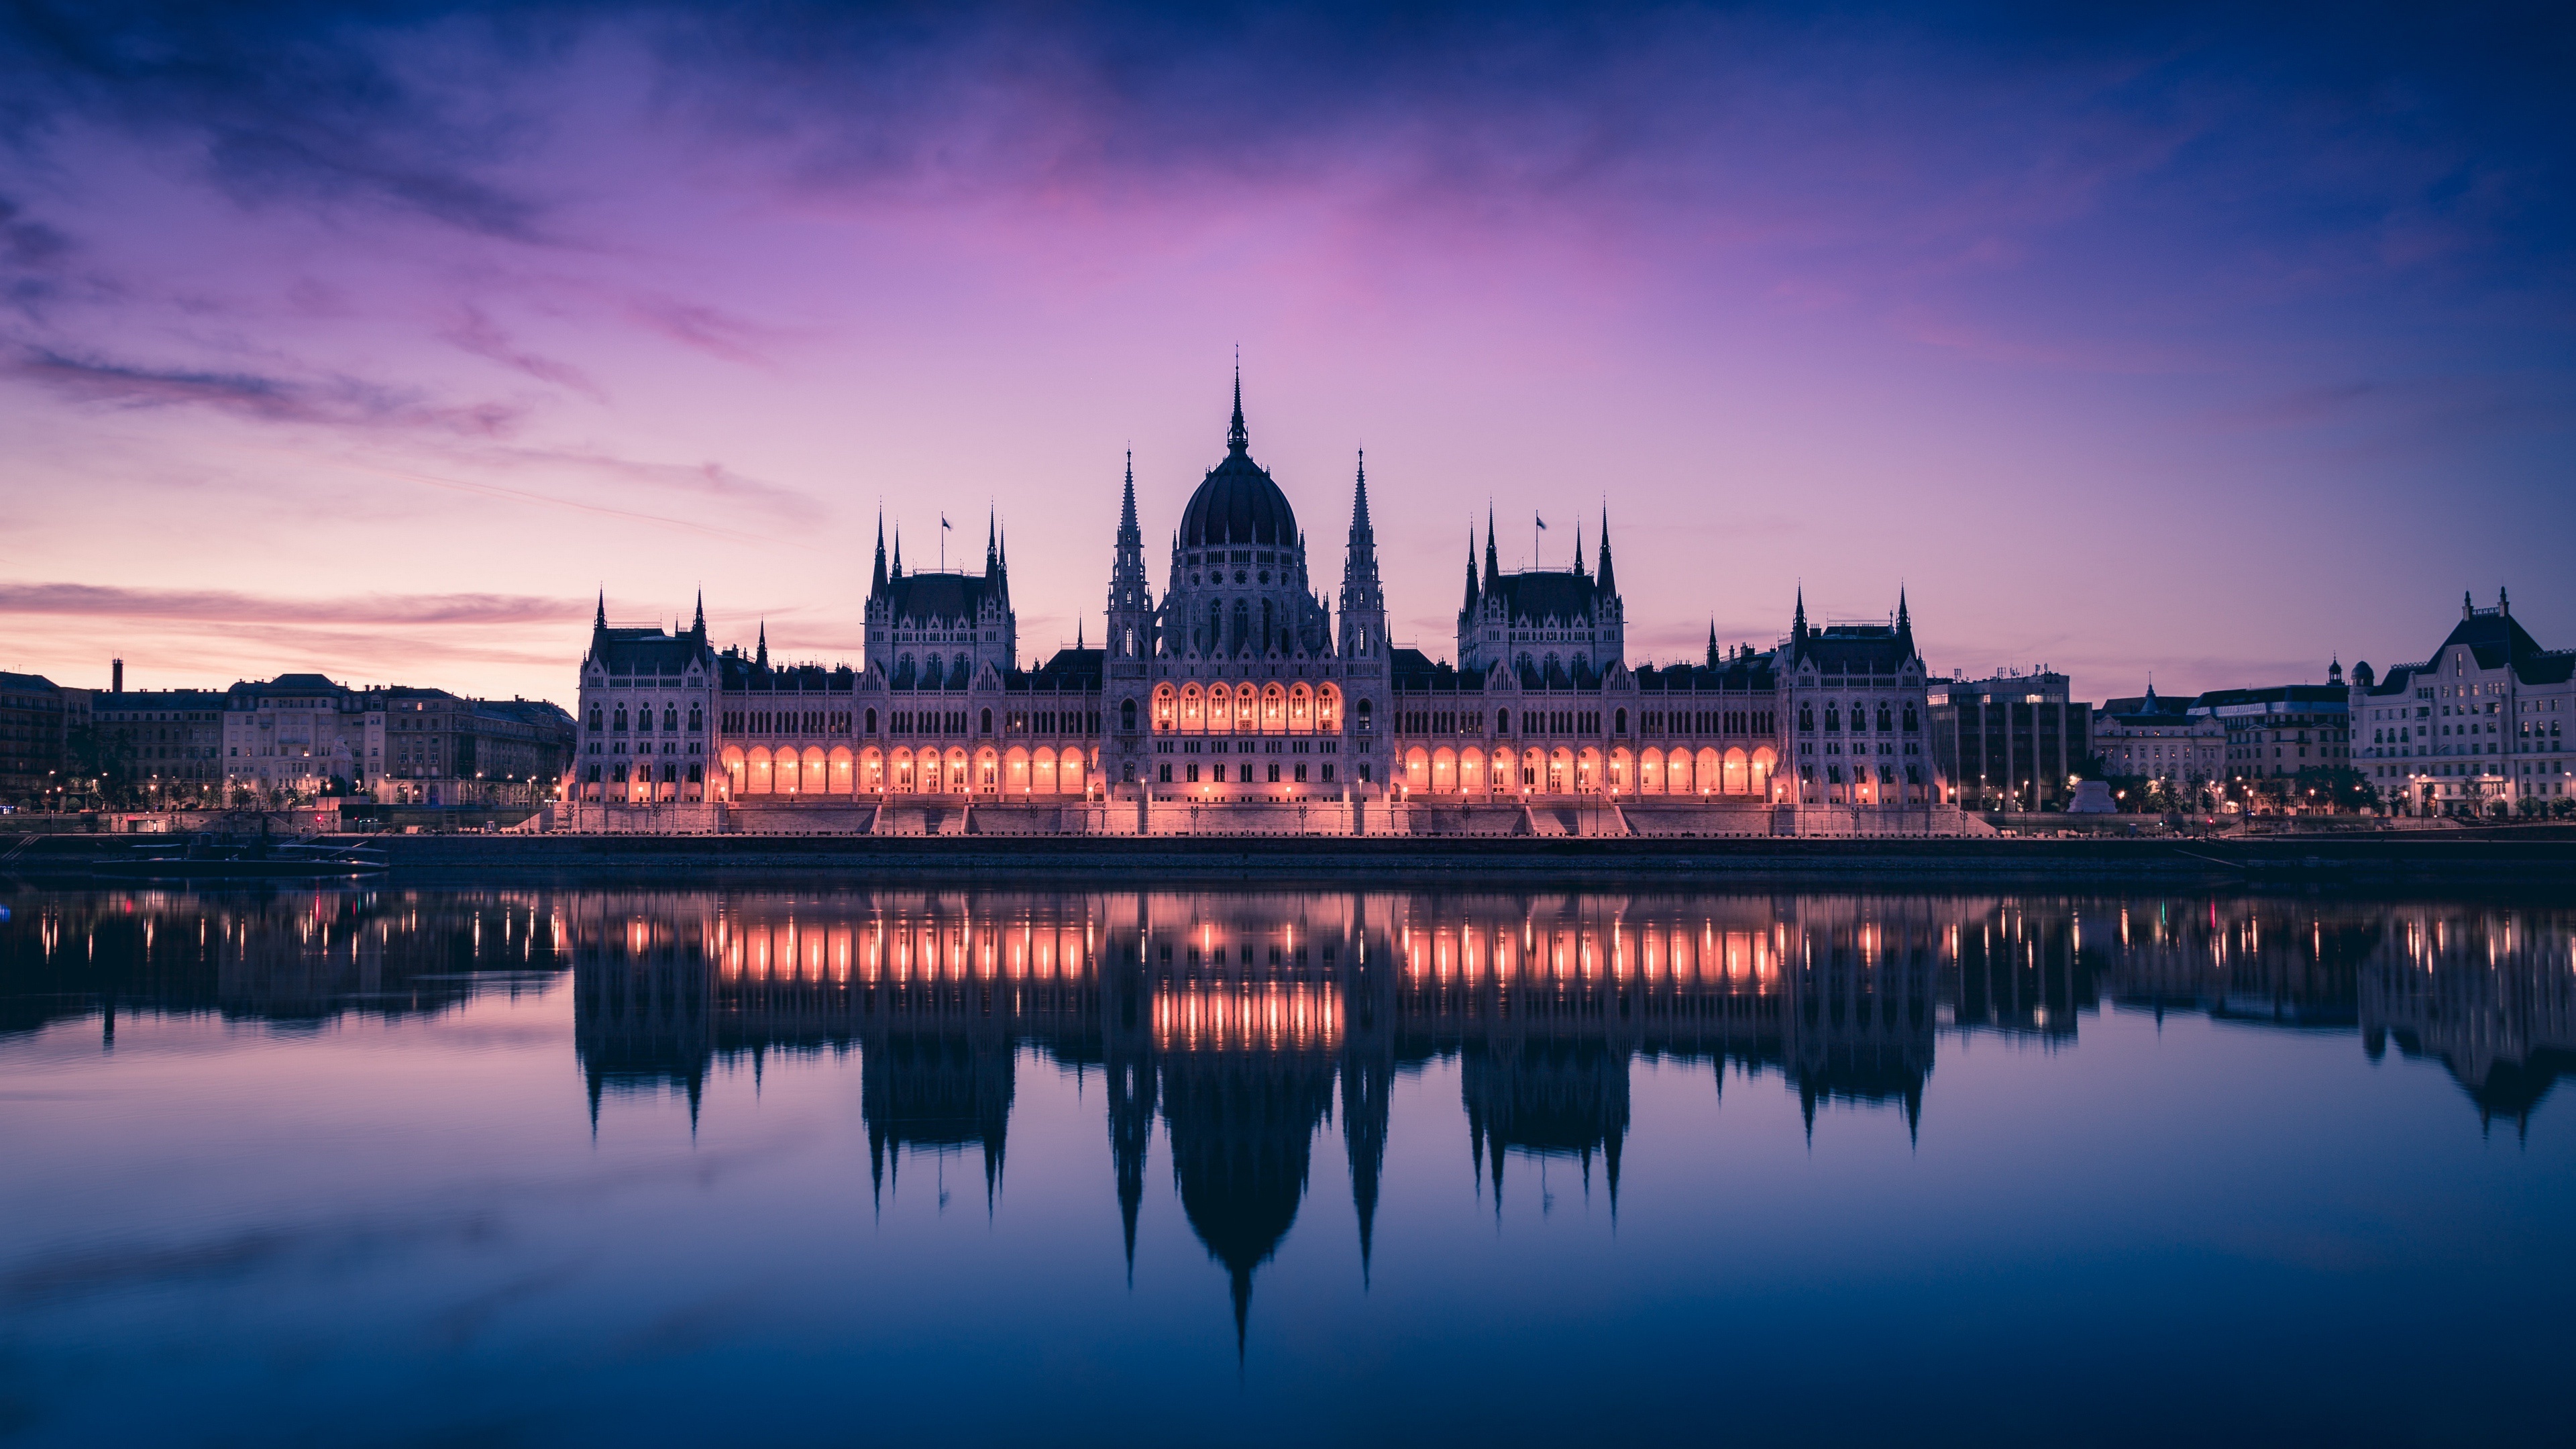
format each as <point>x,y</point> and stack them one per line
<point>2483,723</point>
<point>1239,683</point>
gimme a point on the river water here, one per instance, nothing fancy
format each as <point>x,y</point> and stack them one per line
<point>814,1165</point>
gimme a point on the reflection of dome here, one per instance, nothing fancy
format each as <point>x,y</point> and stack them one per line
<point>1242,1129</point>
<point>1237,503</point>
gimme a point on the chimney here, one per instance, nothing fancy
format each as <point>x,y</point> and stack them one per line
<point>116,676</point>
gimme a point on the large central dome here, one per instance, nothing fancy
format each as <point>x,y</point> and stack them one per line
<point>1237,502</point>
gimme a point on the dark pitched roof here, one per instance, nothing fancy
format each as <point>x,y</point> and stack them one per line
<point>142,699</point>
<point>1855,649</point>
<point>1744,672</point>
<point>2296,694</point>
<point>1547,594</point>
<point>1066,669</point>
<point>2493,637</point>
<point>1411,669</point>
<point>939,595</point>
<point>646,651</point>
<point>545,714</point>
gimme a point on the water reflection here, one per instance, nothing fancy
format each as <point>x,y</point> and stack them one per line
<point>1243,1024</point>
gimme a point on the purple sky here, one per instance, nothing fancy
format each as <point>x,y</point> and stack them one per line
<point>376,342</point>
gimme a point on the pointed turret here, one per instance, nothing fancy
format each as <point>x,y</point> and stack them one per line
<point>599,620</point>
<point>761,659</point>
<point>1798,627</point>
<point>698,623</point>
<point>877,579</point>
<point>898,551</point>
<point>1904,626</point>
<point>1578,549</point>
<point>1131,597</point>
<point>992,543</point>
<point>1712,643</point>
<point>1470,606</point>
<point>1363,604</point>
<point>1493,560</point>
<point>1609,587</point>
<point>1128,533</point>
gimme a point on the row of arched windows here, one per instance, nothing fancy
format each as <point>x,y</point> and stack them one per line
<point>930,770</point>
<point>1272,709</point>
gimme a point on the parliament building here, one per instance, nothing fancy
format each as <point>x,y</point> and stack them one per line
<point>1242,697</point>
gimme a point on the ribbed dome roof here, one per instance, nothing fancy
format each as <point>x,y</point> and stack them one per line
<point>1237,502</point>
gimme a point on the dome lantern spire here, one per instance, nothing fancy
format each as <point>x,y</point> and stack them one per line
<point>1238,440</point>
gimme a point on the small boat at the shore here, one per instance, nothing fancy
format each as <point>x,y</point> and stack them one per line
<point>208,857</point>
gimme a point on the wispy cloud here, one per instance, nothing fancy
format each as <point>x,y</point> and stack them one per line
<point>222,606</point>
<point>708,330</point>
<point>338,401</point>
<point>476,333</point>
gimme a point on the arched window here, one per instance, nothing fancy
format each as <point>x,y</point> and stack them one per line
<point>670,718</point>
<point>934,671</point>
<point>697,719</point>
<point>1127,714</point>
<point>594,716</point>
<point>1502,721</point>
<point>987,723</point>
<point>621,719</point>
<point>1833,718</point>
<point>1806,716</point>
<point>872,722</point>
<point>1886,722</point>
<point>1265,626</point>
<point>1619,722</point>
<point>1215,626</point>
<point>1364,712</point>
<point>1242,623</point>
<point>1910,725</point>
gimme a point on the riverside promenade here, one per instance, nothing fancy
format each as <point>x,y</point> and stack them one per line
<point>2522,857</point>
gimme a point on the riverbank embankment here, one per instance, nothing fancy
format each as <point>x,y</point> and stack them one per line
<point>2519,856</point>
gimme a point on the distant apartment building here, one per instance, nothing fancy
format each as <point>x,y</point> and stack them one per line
<point>161,740</point>
<point>2483,721</point>
<point>34,738</point>
<point>2159,737</point>
<point>442,749</point>
<point>307,734</point>
<point>2011,742</point>
<point>2274,733</point>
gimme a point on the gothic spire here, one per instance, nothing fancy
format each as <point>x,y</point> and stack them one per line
<point>600,620</point>
<point>698,625</point>
<point>1712,643</point>
<point>1609,583</point>
<point>1472,590</point>
<point>992,535</point>
<point>1493,560</point>
<point>898,551</point>
<point>1904,624</point>
<point>1359,501</point>
<point>1236,439</point>
<point>1798,625</point>
<point>877,580</point>
<point>761,659</point>
<point>1128,532</point>
<point>1578,548</point>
